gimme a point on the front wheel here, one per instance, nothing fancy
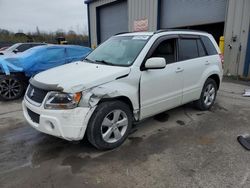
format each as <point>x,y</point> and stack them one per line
<point>208,95</point>
<point>109,125</point>
<point>11,87</point>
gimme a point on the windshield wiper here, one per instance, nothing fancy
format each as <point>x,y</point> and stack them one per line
<point>105,62</point>
<point>89,60</point>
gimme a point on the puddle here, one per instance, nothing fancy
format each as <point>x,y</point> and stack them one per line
<point>200,114</point>
<point>162,117</point>
<point>180,122</point>
<point>75,162</point>
<point>45,155</point>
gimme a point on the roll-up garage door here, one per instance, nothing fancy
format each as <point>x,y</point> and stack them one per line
<point>112,19</point>
<point>181,13</point>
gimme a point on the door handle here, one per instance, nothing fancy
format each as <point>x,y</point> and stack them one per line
<point>179,70</point>
<point>207,63</point>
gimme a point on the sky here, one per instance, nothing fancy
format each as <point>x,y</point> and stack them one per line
<point>47,15</point>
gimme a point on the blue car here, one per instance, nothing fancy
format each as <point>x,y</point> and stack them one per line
<point>15,70</point>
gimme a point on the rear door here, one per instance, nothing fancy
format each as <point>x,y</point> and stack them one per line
<point>195,61</point>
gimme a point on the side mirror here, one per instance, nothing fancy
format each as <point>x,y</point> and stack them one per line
<point>15,51</point>
<point>155,63</point>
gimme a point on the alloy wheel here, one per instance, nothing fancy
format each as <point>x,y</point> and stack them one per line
<point>114,126</point>
<point>10,88</point>
<point>209,95</point>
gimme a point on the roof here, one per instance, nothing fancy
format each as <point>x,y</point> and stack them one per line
<point>179,30</point>
<point>88,1</point>
<point>174,31</point>
<point>136,34</point>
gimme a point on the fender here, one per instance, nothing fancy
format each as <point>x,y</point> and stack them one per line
<point>115,89</point>
<point>209,72</point>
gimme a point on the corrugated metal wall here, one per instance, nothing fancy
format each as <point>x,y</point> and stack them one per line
<point>143,9</point>
<point>137,10</point>
<point>236,35</point>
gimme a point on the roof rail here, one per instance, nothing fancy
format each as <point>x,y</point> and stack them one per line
<point>122,33</point>
<point>166,30</point>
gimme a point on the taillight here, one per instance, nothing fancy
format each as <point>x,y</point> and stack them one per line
<point>222,59</point>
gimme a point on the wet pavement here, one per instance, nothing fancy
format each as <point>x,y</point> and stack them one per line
<point>182,147</point>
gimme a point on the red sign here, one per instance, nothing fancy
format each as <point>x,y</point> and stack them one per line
<point>141,25</point>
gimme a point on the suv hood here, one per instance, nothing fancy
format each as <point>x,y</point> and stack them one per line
<point>78,76</point>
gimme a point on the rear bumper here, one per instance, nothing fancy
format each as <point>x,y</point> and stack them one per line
<point>67,124</point>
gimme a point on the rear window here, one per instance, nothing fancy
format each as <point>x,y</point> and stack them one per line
<point>188,49</point>
<point>211,50</point>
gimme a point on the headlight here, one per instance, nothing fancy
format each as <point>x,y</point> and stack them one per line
<point>57,100</point>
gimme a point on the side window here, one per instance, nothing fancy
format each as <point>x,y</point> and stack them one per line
<point>188,49</point>
<point>23,47</point>
<point>201,49</point>
<point>211,50</point>
<point>167,50</point>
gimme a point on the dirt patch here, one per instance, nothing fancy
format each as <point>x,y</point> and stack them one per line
<point>205,140</point>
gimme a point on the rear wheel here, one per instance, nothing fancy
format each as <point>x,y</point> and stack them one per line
<point>11,87</point>
<point>109,125</point>
<point>208,95</point>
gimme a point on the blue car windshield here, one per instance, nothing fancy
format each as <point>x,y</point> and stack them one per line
<point>118,50</point>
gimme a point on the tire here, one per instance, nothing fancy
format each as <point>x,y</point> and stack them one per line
<point>102,130</point>
<point>11,87</point>
<point>208,95</point>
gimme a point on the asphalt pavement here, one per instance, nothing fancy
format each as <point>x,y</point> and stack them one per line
<point>182,147</point>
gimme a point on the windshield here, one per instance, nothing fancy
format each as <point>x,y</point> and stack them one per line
<point>118,50</point>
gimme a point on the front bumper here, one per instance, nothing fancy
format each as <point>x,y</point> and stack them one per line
<point>67,124</point>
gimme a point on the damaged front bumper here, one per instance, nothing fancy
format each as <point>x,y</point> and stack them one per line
<point>67,124</point>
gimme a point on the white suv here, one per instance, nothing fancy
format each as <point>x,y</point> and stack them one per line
<point>128,78</point>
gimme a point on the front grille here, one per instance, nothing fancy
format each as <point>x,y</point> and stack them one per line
<point>36,94</point>
<point>34,116</point>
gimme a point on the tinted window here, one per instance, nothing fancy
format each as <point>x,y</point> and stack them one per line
<point>166,49</point>
<point>23,47</point>
<point>209,46</point>
<point>201,49</point>
<point>188,49</point>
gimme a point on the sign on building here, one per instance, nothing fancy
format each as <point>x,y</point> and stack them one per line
<point>141,25</point>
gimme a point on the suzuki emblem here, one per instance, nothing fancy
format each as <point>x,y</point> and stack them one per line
<point>32,93</point>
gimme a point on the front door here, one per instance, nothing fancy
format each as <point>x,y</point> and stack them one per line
<point>161,89</point>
